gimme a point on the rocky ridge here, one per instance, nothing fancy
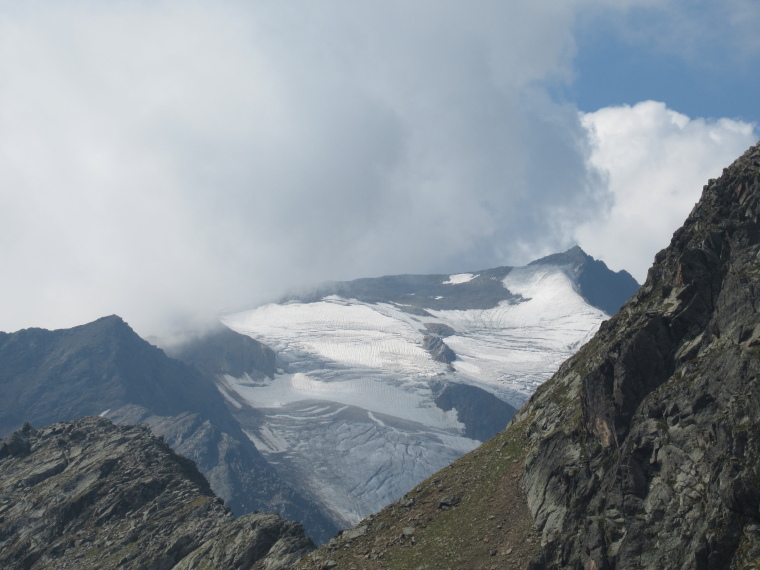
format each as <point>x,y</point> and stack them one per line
<point>90,494</point>
<point>642,451</point>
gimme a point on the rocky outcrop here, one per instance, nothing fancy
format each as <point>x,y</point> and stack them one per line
<point>438,349</point>
<point>645,446</point>
<point>89,494</point>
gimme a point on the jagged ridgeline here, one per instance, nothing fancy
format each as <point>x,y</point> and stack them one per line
<point>642,451</point>
<point>89,494</point>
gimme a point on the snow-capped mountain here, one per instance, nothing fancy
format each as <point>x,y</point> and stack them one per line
<point>369,396</point>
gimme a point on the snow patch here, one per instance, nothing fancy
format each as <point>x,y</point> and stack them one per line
<point>459,279</point>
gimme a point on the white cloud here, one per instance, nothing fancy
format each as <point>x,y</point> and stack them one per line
<point>162,160</point>
<point>657,161</point>
<point>159,160</point>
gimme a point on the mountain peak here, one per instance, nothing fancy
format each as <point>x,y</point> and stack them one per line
<point>599,285</point>
<point>575,255</point>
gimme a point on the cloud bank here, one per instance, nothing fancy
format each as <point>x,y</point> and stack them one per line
<point>165,162</point>
<point>656,161</point>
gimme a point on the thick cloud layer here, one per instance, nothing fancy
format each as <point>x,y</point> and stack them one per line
<point>165,161</point>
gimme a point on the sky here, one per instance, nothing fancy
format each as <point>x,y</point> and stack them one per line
<point>167,161</point>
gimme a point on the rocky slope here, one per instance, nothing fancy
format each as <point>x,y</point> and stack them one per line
<point>104,368</point>
<point>89,494</point>
<point>642,451</point>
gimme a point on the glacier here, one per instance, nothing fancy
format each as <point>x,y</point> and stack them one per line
<point>350,419</point>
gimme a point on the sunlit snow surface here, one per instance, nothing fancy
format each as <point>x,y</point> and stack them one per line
<point>351,419</point>
<point>460,278</point>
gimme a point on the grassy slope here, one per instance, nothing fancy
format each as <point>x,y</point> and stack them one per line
<point>489,527</point>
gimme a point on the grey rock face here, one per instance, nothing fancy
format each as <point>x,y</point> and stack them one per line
<point>89,494</point>
<point>438,349</point>
<point>645,446</point>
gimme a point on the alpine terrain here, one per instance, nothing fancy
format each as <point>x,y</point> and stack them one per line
<point>642,451</point>
<point>381,382</point>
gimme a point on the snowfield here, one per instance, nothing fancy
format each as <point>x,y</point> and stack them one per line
<point>352,420</point>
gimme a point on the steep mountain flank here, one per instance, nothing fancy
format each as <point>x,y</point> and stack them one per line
<point>49,376</point>
<point>105,368</point>
<point>470,515</point>
<point>645,446</point>
<point>642,451</point>
<point>89,494</point>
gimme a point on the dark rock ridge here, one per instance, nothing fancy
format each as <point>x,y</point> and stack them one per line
<point>105,368</point>
<point>642,451</point>
<point>599,286</point>
<point>438,349</point>
<point>90,494</point>
<point>645,446</point>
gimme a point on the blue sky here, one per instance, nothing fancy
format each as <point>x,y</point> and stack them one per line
<point>167,160</point>
<point>716,75</point>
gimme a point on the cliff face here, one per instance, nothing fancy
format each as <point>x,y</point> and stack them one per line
<point>644,449</point>
<point>89,494</point>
